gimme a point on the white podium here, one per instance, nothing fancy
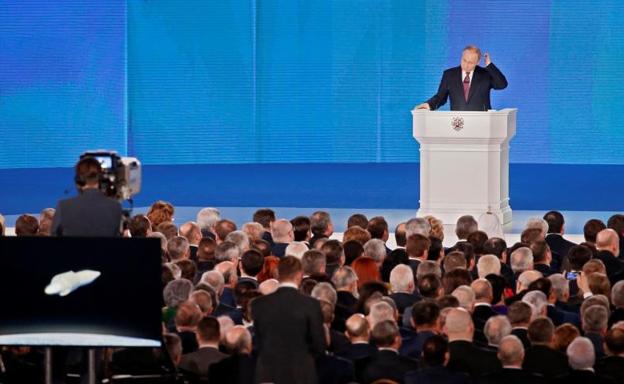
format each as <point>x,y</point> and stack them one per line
<point>464,163</point>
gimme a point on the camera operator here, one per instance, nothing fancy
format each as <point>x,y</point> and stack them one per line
<point>91,213</point>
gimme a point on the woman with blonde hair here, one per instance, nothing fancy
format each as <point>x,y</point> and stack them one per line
<point>160,212</point>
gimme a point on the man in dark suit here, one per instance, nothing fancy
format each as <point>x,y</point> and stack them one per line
<point>250,265</point>
<point>434,370</point>
<point>612,365</point>
<point>424,318</point>
<point>519,315</point>
<point>91,213</point>
<point>289,330</point>
<point>541,358</point>
<point>511,354</point>
<point>208,335</point>
<point>345,281</point>
<point>282,232</point>
<point>358,333</point>
<point>238,368</point>
<point>558,245</point>
<point>581,358</point>
<point>608,244</point>
<point>468,85</point>
<point>483,308</point>
<point>386,363</point>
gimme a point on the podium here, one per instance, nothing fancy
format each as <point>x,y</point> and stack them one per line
<point>464,162</point>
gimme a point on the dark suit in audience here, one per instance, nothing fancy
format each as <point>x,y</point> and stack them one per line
<point>616,315</point>
<point>412,346</point>
<point>345,307</point>
<point>279,249</point>
<point>559,248</point>
<point>338,341</point>
<point>248,279</point>
<point>189,341</point>
<point>358,351</point>
<point>199,362</point>
<point>559,316</point>
<point>334,370</point>
<point>545,361</point>
<point>404,300</point>
<point>386,364</point>
<point>512,376</point>
<point>576,376</point>
<point>465,357</point>
<point>227,297</point>
<point>235,369</point>
<point>522,334</point>
<point>611,367</point>
<point>615,268</point>
<point>597,340</point>
<point>437,375</point>
<point>480,316</point>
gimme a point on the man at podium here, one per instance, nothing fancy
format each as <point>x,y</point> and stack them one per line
<point>468,85</point>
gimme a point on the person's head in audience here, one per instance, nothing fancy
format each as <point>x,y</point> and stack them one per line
<point>595,319</point>
<point>394,258</point>
<point>160,212</point>
<point>176,292</point>
<point>498,284</point>
<point>241,290</point>
<point>251,263</point>
<point>594,266</point>
<point>204,287</point>
<point>356,233</point>
<point>352,249</point>
<point>366,270</point>
<point>436,250</point>
<point>538,301</point>
<point>307,285</point>
<point>321,224</point>
<point>168,229</point>
<point>488,264</point>
<point>223,228</point>
<point>400,235</point>
<point>26,225</point>
<point>378,228</point>
<point>599,284</point>
<point>208,332</point>
<point>264,216</point>
<point>538,223</point>
<point>238,340</point>
<point>458,325</point>
<point>345,279</point>
<point>46,216</point>
<point>301,228</point>
<point>465,226</point>
<point>521,260</point>
<point>435,351</point>
<point>560,287</point>
<point>262,246</point>
<point>187,316</point>
<point>497,247</point>
<point>334,252</point>
<point>239,238</point>
<point>543,285</point>
<point>578,255</point>
<point>368,290</point>
<point>564,334</point>
<point>386,334</point>
<point>357,219</point>
<point>455,278</point>
<point>245,302</point>
<point>225,324</point>
<point>163,244</point>
<point>268,286</point>
<point>425,314</point>
<point>296,249</point>
<point>227,251</point>
<point>402,279</point>
<point>417,247</point>
<point>282,231</point>
<point>454,260</point>
<point>477,239</point>
<point>468,250</point>
<point>541,252</point>
<point>482,290</point>
<point>541,331</point>
<point>357,329</point>
<point>531,235</point>
<point>166,275</point>
<point>495,329</point>
<point>228,270</point>
<point>581,354</point>
<point>555,222</point>
<point>466,297</point>
<point>178,248</point>
<point>591,229</point>
<point>437,227</point>
<point>379,311</point>
<point>191,231</point>
<point>325,291</point>
<point>139,226</point>
<point>617,294</point>
<point>446,302</point>
<point>520,314</point>
<point>599,300</point>
<point>313,262</point>
<point>376,250</point>
<point>206,219</point>
<point>614,342</point>
<point>608,240</point>
<point>269,269</point>
<point>426,267</point>
<point>203,300</point>
<point>188,268</point>
<point>616,222</point>
<point>430,286</point>
<point>511,352</point>
<point>289,270</point>
<point>417,225</point>
<point>173,344</point>
<point>206,250</point>
<point>215,280</point>
<point>253,230</point>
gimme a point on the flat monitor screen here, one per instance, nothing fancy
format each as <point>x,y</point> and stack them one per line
<point>80,291</point>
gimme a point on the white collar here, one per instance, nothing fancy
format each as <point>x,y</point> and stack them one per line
<point>288,284</point>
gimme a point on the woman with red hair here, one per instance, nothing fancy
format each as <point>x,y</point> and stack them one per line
<point>366,270</point>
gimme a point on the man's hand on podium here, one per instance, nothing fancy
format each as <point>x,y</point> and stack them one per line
<point>423,106</point>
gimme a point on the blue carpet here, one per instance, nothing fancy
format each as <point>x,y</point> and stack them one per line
<point>376,186</point>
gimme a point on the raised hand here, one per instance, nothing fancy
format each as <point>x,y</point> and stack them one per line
<point>488,59</point>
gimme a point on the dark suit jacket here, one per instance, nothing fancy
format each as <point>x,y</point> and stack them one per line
<point>358,351</point>
<point>290,335</point>
<point>583,377</point>
<point>279,249</point>
<point>559,247</point>
<point>436,375</point>
<point>611,367</point>
<point>545,361</point>
<point>199,362</point>
<point>615,268</point>
<point>235,369</point>
<point>452,86</point>
<point>512,376</point>
<point>412,346</point>
<point>345,307</point>
<point>597,340</point>
<point>465,357</point>
<point>91,213</point>
<point>559,316</point>
<point>189,341</point>
<point>404,300</point>
<point>616,315</point>
<point>334,370</point>
<point>523,335</point>
<point>480,316</point>
<point>386,364</point>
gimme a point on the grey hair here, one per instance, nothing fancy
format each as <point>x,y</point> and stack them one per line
<point>240,238</point>
<point>465,226</point>
<point>375,249</point>
<point>208,217</point>
<point>488,264</point>
<point>538,301</point>
<point>176,292</point>
<point>581,353</point>
<point>296,249</point>
<point>617,294</point>
<point>400,278</point>
<point>527,277</point>
<point>496,328</point>
<point>379,312</point>
<point>417,225</point>
<point>466,297</point>
<point>178,246</point>
<point>325,291</point>
<point>521,259</point>
<point>510,350</point>
<point>539,223</point>
<point>428,267</point>
<point>227,251</point>
<point>343,277</point>
<point>214,279</point>
<point>560,285</point>
<point>595,319</point>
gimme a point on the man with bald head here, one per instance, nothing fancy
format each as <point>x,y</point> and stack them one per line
<point>511,354</point>
<point>239,367</point>
<point>283,234</point>
<point>482,308</point>
<point>358,333</point>
<point>608,245</point>
<point>468,85</point>
<point>464,355</point>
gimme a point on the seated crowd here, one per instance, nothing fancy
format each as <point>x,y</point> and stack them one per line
<point>286,301</point>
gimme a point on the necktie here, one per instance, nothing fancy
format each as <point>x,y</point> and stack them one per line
<point>466,86</point>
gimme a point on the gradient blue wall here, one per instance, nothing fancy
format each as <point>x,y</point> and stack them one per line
<point>296,81</point>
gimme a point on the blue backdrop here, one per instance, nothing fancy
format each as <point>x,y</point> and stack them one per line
<point>296,81</point>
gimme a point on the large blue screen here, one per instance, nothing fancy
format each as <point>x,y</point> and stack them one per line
<point>297,81</point>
